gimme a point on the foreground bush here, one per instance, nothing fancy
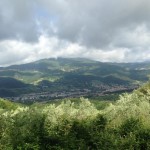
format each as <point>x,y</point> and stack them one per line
<point>124,125</point>
<point>135,105</point>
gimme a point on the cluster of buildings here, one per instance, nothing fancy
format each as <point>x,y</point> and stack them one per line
<point>98,91</point>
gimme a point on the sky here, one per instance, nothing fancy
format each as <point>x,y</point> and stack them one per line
<point>102,30</point>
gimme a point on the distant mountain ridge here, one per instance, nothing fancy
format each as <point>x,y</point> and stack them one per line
<point>65,74</point>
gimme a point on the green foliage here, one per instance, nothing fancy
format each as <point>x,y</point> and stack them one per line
<point>136,105</point>
<point>129,126</point>
<point>133,135</point>
<point>7,105</point>
<point>123,125</point>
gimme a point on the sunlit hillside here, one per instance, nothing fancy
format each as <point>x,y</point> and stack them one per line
<point>71,74</point>
<point>124,124</point>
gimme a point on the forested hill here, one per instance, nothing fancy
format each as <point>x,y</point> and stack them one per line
<point>71,74</point>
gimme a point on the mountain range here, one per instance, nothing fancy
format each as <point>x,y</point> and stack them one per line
<point>76,75</point>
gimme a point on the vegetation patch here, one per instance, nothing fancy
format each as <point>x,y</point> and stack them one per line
<point>124,124</point>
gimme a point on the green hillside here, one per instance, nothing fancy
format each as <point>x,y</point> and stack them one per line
<point>64,74</point>
<point>7,82</point>
<point>124,124</point>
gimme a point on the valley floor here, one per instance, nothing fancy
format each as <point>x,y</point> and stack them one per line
<point>74,93</point>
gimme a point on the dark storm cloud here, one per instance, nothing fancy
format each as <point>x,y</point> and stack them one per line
<point>93,23</point>
<point>17,20</point>
<point>105,30</point>
<point>97,23</point>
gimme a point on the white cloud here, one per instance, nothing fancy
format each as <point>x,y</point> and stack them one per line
<point>103,30</point>
<point>16,52</point>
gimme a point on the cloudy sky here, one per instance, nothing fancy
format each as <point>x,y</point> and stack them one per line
<point>103,30</point>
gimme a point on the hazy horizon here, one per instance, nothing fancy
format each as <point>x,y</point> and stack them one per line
<point>21,63</point>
